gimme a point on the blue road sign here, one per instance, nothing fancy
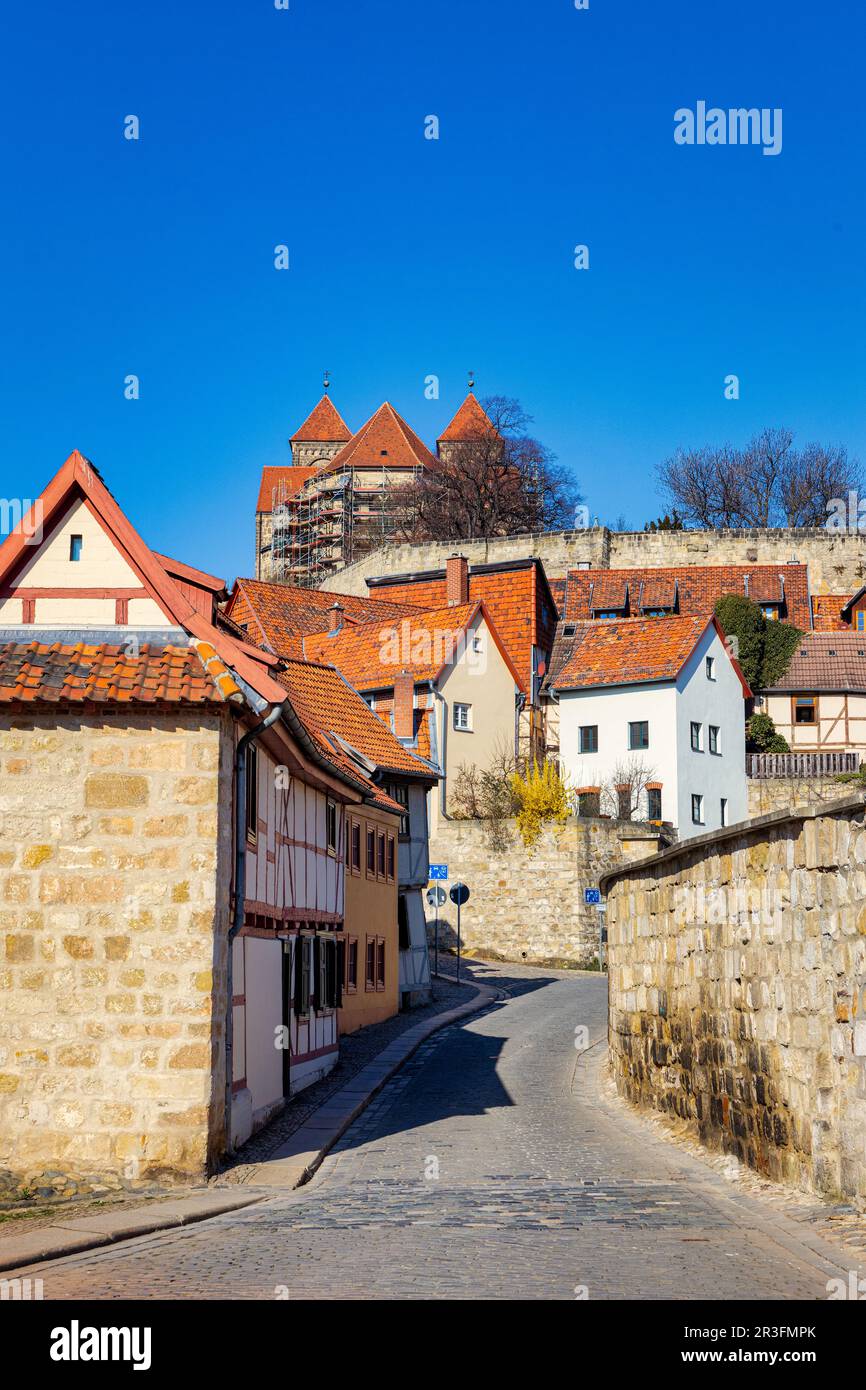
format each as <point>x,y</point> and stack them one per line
<point>438,871</point>
<point>592,896</point>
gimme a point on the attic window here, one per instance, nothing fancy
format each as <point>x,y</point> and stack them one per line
<point>569,631</point>
<point>383,453</point>
<point>75,543</point>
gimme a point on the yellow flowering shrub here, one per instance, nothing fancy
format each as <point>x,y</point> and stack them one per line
<point>541,795</point>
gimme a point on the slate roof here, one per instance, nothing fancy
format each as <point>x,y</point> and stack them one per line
<point>36,673</point>
<point>826,661</point>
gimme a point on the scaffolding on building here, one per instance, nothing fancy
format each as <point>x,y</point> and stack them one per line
<point>331,520</point>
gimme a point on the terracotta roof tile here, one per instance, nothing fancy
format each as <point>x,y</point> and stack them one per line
<point>699,587</point>
<point>280,484</point>
<point>371,654</point>
<point>325,701</point>
<point>827,612</point>
<point>384,441</point>
<point>470,422</point>
<point>35,673</point>
<point>278,615</point>
<point>827,661</point>
<point>323,425</point>
<point>625,651</point>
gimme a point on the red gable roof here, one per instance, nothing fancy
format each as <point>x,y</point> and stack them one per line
<point>698,589</point>
<point>629,651</point>
<point>323,425</point>
<point>322,697</point>
<point>427,641</point>
<point>384,441</point>
<point>470,422</point>
<point>278,615</point>
<point>279,484</point>
<point>515,594</point>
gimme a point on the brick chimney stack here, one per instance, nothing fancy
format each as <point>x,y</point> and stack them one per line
<point>335,617</point>
<point>457,579</point>
<point>404,705</point>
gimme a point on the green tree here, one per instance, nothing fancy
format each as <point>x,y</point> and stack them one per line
<point>762,646</point>
<point>761,736</point>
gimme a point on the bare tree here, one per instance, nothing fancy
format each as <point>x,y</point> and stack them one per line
<point>767,483</point>
<point>499,482</point>
<point>623,792</point>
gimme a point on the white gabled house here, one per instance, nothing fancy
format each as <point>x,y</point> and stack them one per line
<point>651,721</point>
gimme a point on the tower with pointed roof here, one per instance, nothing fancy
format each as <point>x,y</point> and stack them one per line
<point>320,437</point>
<point>470,423</point>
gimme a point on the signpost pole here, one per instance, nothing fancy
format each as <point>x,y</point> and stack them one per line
<point>458,941</point>
<point>436,944</point>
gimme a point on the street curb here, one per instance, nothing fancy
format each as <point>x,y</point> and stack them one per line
<point>295,1163</point>
<point>298,1164</point>
<point>71,1235</point>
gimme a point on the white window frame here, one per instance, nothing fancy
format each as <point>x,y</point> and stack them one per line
<point>456,722</point>
<point>699,818</point>
<point>696,747</point>
<point>711,729</point>
<point>711,668</point>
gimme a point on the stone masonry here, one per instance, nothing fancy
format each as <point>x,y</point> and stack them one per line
<point>837,561</point>
<point>115,855</point>
<point>738,992</point>
<point>527,905</point>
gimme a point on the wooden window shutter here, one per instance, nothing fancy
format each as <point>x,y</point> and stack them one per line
<point>339,973</point>
<point>315,945</point>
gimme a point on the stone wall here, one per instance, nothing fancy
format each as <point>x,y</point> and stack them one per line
<point>114,888</point>
<point>768,794</point>
<point>527,905</point>
<point>738,992</point>
<point>837,561</point>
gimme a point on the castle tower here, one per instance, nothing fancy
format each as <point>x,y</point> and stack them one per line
<point>470,422</point>
<point>320,437</point>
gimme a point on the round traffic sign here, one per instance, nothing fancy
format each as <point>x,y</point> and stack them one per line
<point>436,896</point>
<point>459,894</point>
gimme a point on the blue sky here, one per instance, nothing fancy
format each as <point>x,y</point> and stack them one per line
<point>410,256</point>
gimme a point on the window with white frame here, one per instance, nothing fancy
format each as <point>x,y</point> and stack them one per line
<point>697,737</point>
<point>711,668</point>
<point>697,809</point>
<point>463,718</point>
<point>723,810</point>
<point>715,739</point>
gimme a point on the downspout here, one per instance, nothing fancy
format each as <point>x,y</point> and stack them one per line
<point>437,695</point>
<point>240,897</point>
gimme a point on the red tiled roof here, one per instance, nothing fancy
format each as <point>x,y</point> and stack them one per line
<point>278,615</point>
<point>657,592</point>
<point>384,441</point>
<point>323,699</point>
<point>323,425</point>
<point>699,588</point>
<point>827,613</point>
<point>279,484</point>
<point>371,654</point>
<point>470,422</point>
<point>557,589</point>
<point>35,673</point>
<point>826,661</point>
<point>626,651</point>
<point>515,598</point>
<point>608,591</point>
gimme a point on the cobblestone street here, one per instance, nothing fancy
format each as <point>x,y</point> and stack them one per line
<point>492,1166</point>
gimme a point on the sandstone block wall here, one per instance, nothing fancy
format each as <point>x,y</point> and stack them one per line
<point>768,794</point>
<point>527,905</point>
<point>115,858</point>
<point>837,561</point>
<point>738,992</point>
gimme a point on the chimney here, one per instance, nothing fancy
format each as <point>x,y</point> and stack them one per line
<point>457,579</point>
<point>335,617</point>
<point>404,705</point>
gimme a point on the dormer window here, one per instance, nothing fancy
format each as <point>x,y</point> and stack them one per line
<point>75,543</point>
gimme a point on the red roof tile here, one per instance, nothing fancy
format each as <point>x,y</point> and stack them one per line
<point>371,654</point>
<point>323,425</point>
<point>517,598</point>
<point>34,673</point>
<point>279,484</point>
<point>827,612</point>
<point>699,588</point>
<point>278,615</point>
<point>384,441</point>
<point>831,661</point>
<point>470,422</point>
<point>324,700</point>
<point>626,651</point>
